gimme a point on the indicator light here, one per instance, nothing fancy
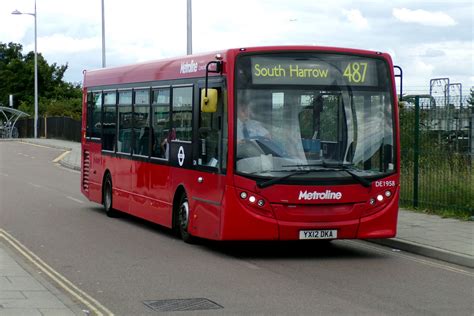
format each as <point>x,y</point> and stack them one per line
<point>380,197</point>
<point>252,199</point>
<point>388,193</point>
<point>243,195</point>
<point>372,201</point>
<point>261,203</point>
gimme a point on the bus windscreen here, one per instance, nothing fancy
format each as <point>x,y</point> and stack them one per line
<point>312,110</point>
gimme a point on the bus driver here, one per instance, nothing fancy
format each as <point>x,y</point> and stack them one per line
<point>248,128</point>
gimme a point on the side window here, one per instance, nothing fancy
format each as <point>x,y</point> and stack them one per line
<point>182,113</point>
<point>209,136</point>
<point>330,118</point>
<point>141,122</point>
<point>124,141</point>
<point>89,114</point>
<point>96,111</point>
<point>109,123</point>
<point>160,123</point>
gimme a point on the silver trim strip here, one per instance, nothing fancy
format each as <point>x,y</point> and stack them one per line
<point>207,201</point>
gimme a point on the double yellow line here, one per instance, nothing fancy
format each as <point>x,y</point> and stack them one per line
<point>92,304</point>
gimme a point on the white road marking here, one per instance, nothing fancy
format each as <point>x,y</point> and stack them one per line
<point>36,185</point>
<point>75,200</point>
<point>25,155</point>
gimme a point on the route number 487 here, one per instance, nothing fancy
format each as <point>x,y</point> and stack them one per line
<point>355,72</point>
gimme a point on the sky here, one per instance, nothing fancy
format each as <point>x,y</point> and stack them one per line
<point>428,39</point>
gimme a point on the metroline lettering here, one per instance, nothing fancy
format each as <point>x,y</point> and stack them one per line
<point>327,195</point>
<point>188,67</point>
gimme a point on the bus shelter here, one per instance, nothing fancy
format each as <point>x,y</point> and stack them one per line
<point>8,119</point>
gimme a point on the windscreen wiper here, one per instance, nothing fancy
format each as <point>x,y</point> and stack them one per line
<point>366,183</point>
<point>338,167</point>
<point>273,181</point>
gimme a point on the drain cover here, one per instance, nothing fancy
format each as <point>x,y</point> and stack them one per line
<point>187,304</point>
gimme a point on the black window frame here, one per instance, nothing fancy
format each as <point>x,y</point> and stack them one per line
<point>88,114</point>
<point>119,90</point>
<point>92,129</point>
<point>172,112</point>
<point>170,116</point>
<point>104,106</point>
<point>134,106</point>
<point>221,167</point>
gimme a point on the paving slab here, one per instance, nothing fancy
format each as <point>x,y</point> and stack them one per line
<point>24,293</point>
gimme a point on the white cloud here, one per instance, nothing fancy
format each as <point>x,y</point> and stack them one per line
<point>61,44</point>
<point>425,61</point>
<point>14,27</point>
<point>356,19</point>
<point>139,30</point>
<point>423,17</point>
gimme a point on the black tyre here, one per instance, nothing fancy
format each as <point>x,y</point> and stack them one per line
<point>107,197</point>
<point>183,220</point>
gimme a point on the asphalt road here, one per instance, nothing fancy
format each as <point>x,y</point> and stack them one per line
<point>126,261</point>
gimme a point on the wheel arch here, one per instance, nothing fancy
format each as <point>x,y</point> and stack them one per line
<point>180,190</point>
<point>107,173</point>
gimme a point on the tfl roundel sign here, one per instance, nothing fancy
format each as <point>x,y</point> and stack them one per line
<point>181,156</point>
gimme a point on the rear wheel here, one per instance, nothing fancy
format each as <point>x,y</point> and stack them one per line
<point>107,197</point>
<point>183,219</point>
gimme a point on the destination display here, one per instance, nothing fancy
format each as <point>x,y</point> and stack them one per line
<point>341,71</point>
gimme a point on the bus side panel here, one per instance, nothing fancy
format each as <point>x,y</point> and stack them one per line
<point>121,181</point>
<point>205,200</point>
<point>239,223</point>
<point>143,199</point>
<point>160,194</point>
<point>140,204</point>
<point>382,224</point>
<point>95,172</point>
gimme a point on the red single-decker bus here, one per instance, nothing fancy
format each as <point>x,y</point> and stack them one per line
<point>264,143</point>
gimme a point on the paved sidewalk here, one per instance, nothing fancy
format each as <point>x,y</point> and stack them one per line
<point>23,291</point>
<point>445,239</point>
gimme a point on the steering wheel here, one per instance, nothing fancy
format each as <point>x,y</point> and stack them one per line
<point>271,146</point>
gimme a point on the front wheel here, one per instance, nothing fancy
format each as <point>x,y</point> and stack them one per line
<point>183,220</point>
<point>107,198</point>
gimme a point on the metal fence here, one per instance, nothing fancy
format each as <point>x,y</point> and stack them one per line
<point>52,127</point>
<point>437,154</point>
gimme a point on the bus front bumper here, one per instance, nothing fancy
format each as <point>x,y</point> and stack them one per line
<point>244,222</point>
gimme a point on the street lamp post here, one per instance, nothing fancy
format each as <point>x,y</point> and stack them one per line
<point>103,35</point>
<point>16,12</point>
<point>189,28</point>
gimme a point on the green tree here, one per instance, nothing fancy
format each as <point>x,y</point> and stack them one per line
<point>56,97</point>
<point>470,101</point>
